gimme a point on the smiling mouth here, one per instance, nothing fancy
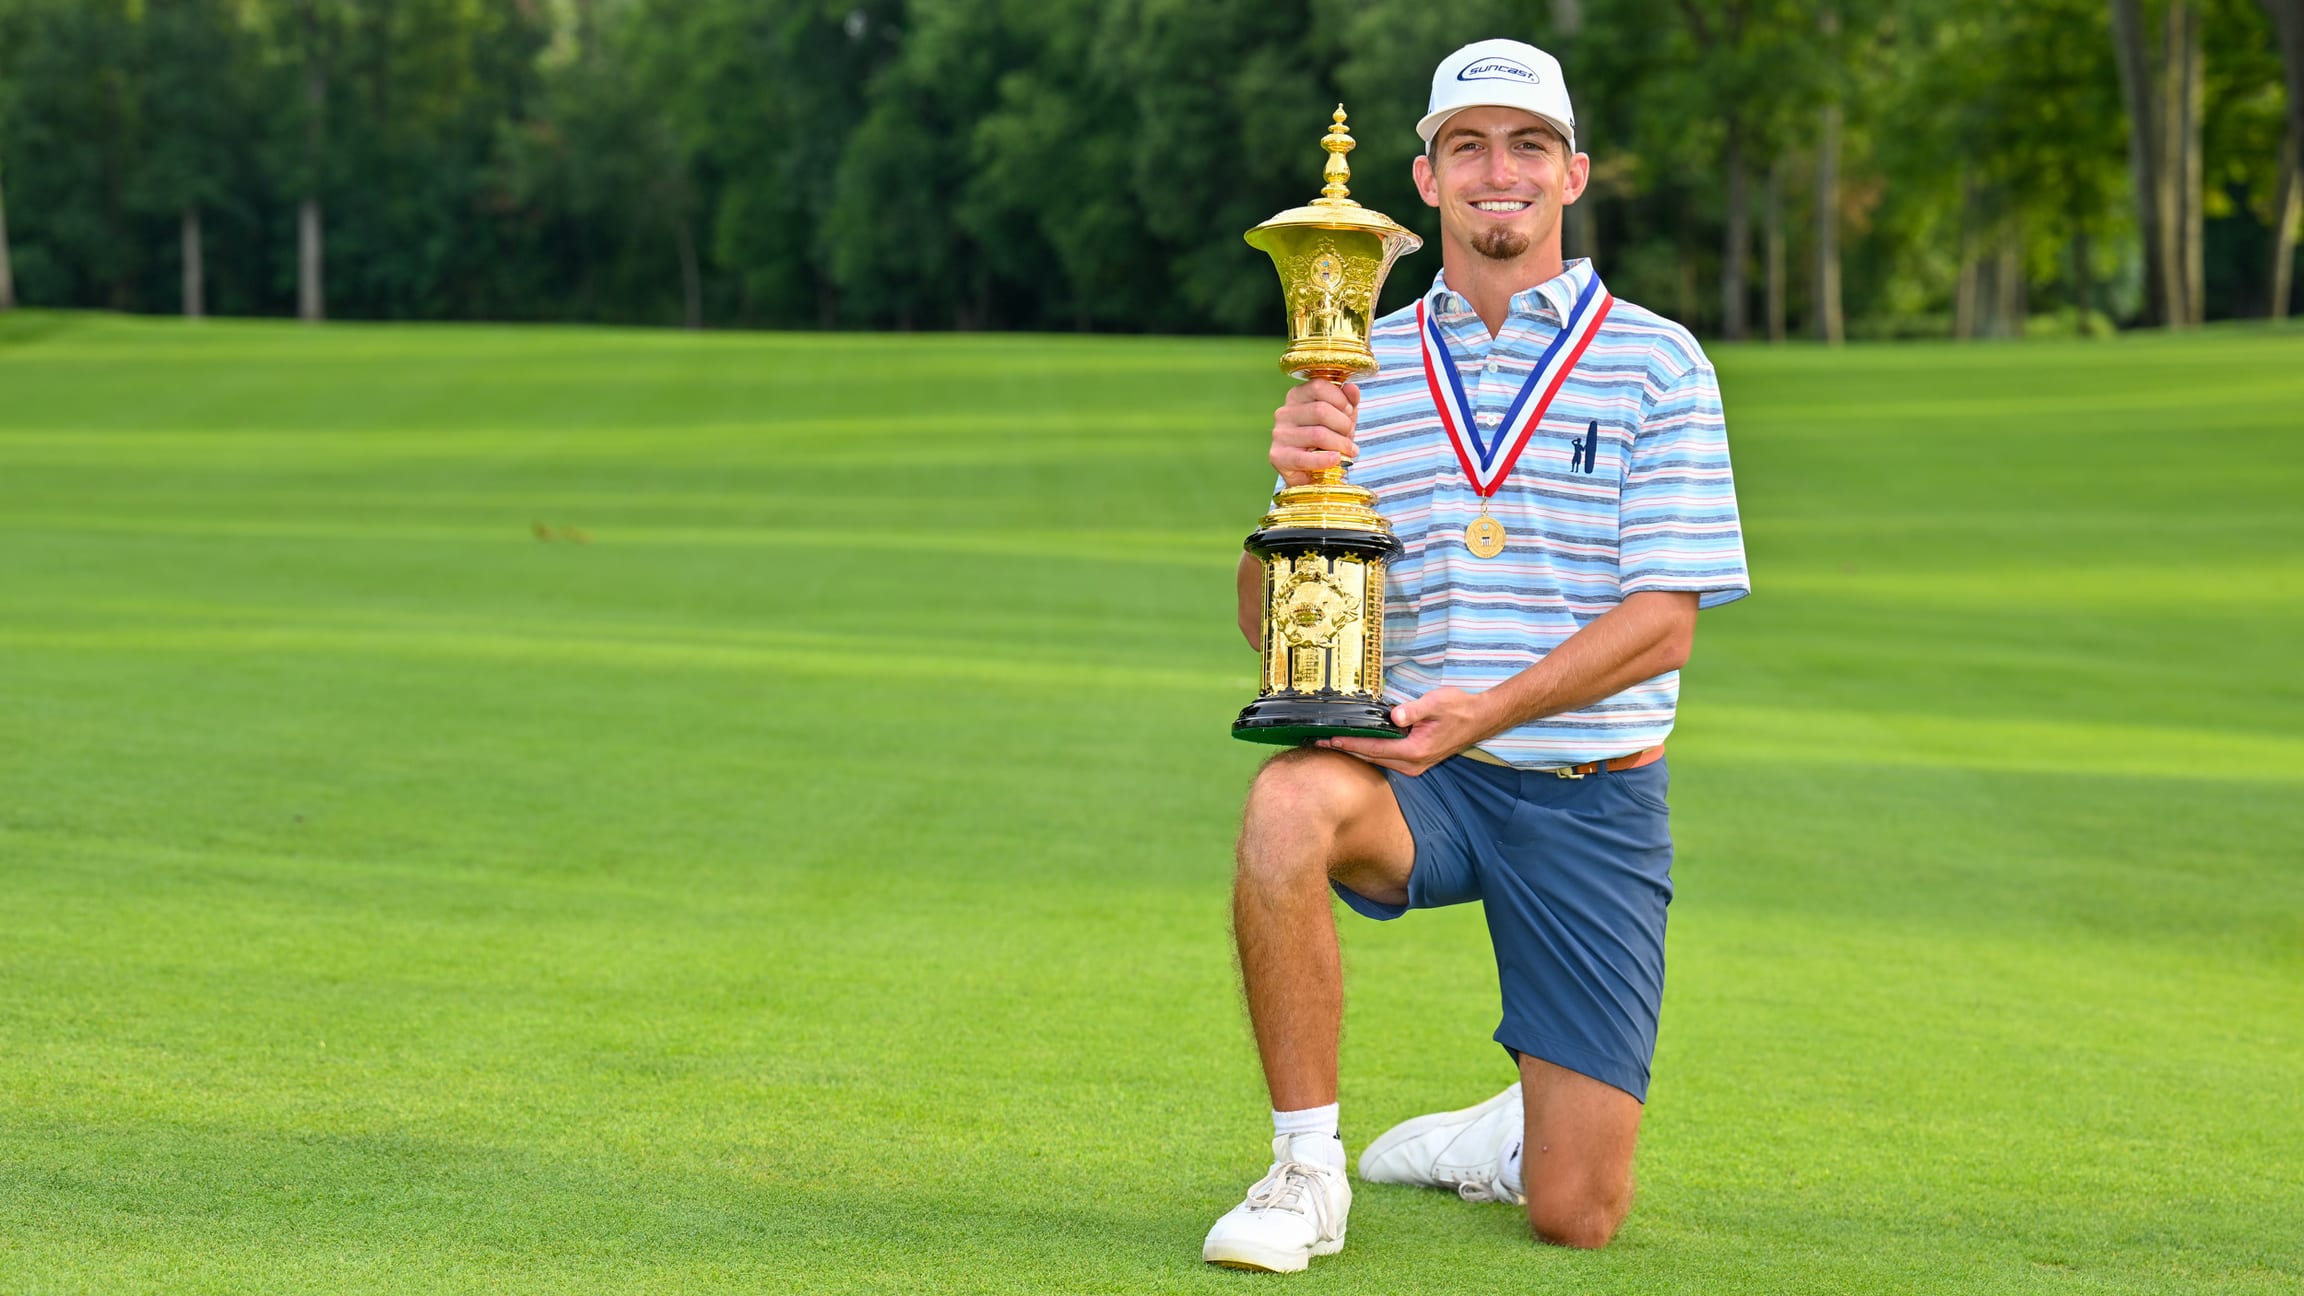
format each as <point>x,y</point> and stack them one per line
<point>1502,206</point>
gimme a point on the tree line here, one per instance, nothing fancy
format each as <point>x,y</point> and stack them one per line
<point>1761,168</point>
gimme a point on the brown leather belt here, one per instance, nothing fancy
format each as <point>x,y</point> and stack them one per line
<point>1612,765</point>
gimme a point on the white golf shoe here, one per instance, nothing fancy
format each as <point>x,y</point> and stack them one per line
<point>1296,1211</point>
<point>1466,1151</point>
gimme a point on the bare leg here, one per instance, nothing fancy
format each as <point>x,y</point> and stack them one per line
<point>1312,815</point>
<point>1576,1166</point>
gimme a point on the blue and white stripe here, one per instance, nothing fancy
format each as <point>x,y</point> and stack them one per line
<point>1649,505</point>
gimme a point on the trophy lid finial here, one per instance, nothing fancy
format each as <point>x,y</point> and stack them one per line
<point>1332,211</point>
<point>1338,141</point>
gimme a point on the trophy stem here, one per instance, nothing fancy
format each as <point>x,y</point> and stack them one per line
<point>1330,476</point>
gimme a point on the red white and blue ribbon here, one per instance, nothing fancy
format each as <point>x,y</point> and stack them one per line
<point>1488,460</point>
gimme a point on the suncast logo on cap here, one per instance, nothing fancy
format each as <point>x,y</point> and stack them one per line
<point>1498,69</point>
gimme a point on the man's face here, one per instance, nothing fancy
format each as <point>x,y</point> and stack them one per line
<point>1500,177</point>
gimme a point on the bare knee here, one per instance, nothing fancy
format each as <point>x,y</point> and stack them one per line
<point>1316,817</point>
<point>1297,807</point>
<point>1306,785</point>
<point>1583,1216</point>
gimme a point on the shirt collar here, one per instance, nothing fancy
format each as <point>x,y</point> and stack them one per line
<point>1549,301</point>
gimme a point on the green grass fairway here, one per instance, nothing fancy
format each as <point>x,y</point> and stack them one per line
<point>814,879</point>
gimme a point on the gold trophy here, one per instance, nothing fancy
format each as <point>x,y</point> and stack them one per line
<point>1323,545</point>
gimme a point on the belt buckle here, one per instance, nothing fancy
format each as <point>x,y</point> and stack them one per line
<point>1567,772</point>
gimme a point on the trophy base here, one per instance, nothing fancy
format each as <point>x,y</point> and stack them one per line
<point>1291,721</point>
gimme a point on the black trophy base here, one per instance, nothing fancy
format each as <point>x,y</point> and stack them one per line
<point>1293,720</point>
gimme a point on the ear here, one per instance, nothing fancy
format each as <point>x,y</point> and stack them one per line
<point>1427,184</point>
<point>1579,176</point>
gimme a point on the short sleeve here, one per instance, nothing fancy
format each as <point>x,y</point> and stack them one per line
<point>1678,527</point>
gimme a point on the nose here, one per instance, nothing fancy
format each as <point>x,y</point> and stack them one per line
<point>1503,168</point>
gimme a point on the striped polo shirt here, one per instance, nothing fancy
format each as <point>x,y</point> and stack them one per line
<point>1649,506</point>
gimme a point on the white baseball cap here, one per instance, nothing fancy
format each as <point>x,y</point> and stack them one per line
<point>1500,74</point>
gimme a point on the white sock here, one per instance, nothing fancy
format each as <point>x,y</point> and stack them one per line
<point>1311,1120</point>
<point>1511,1175</point>
<point>1311,1134</point>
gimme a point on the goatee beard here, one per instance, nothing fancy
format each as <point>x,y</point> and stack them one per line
<point>1500,244</point>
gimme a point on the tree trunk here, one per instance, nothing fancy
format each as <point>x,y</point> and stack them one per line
<point>691,279</point>
<point>2167,126</point>
<point>1735,255</point>
<point>311,296</point>
<point>1830,327</point>
<point>195,263</point>
<point>311,305</point>
<point>2283,235</point>
<point>7,268</point>
<point>2288,28</point>
<point>1772,224</point>
<point>2185,77</point>
<point>2139,92</point>
<point>1964,296</point>
<point>2008,281</point>
<point>2083,280</point>
<point>114,150</point>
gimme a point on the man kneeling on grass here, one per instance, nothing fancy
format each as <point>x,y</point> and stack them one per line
<point>1556,463</point>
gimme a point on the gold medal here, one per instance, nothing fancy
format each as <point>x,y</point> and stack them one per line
<point>1484,536</point>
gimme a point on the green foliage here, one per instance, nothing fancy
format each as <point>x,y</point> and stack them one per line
<point>198,112</point>
<point>69,150</point>
<point>604,173</point>
<point>763,99</point>
<point>1054,164</point>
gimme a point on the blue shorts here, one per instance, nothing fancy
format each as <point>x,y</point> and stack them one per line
<point>1576,874</point>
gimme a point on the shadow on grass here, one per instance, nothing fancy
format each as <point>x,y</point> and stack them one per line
<point>25,327</point>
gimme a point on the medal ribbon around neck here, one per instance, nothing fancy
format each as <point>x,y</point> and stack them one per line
<point>1487,463</point>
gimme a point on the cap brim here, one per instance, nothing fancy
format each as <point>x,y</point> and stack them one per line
<point>1429,125</point>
